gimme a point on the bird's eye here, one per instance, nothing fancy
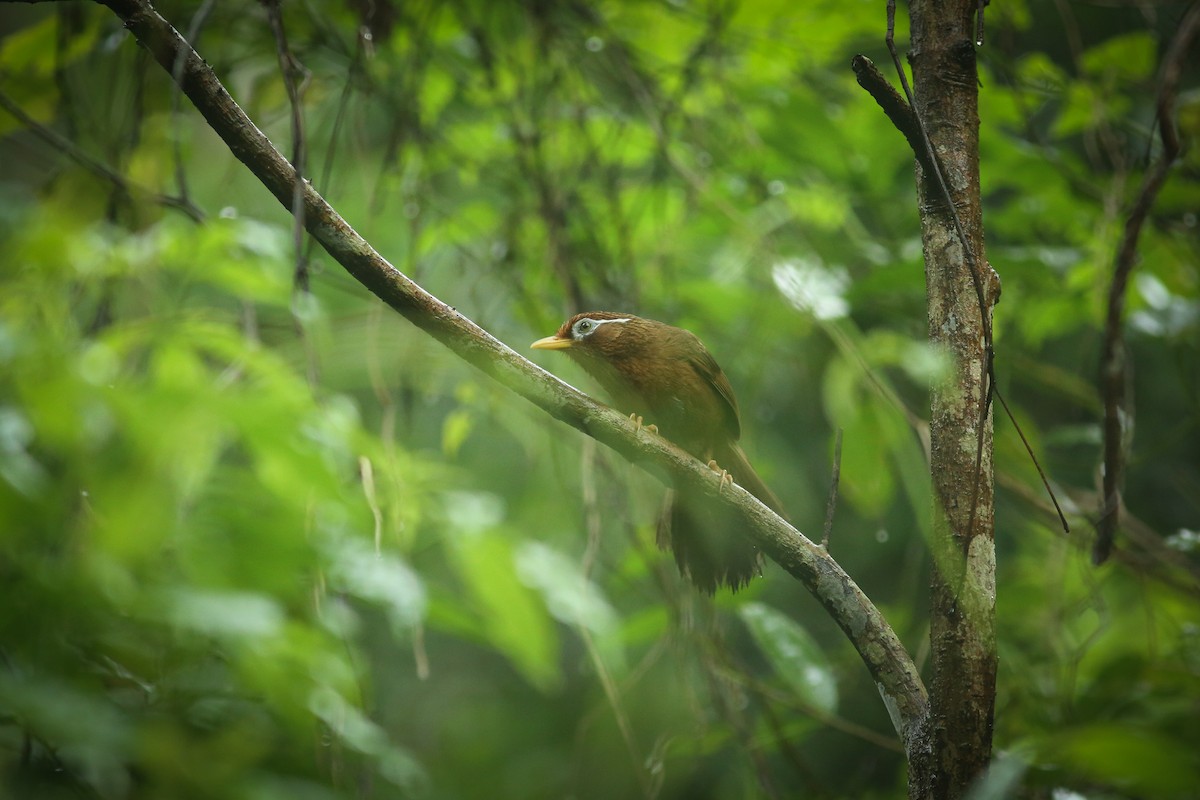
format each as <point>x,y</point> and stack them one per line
<point>584,326</point>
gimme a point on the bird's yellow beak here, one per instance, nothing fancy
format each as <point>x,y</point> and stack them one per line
<point>552,343</point>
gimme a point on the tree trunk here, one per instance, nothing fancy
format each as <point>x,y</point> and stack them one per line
<point>960,297</point>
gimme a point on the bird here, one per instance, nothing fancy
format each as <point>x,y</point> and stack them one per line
<point>667,374</point>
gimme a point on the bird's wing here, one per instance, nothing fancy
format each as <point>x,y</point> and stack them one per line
<point>708,369</point>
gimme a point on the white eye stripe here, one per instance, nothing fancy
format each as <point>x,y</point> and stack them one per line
<point>593,324</point>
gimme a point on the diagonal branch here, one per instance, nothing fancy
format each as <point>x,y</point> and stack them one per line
<point>101,170</point>
<point>880,648</point>
<point>893,104</point>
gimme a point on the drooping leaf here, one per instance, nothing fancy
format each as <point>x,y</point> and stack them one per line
<point>793,654</point>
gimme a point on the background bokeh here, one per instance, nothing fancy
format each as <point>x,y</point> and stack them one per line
<point>263,543</point>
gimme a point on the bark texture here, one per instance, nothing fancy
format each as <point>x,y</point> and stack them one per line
<point>958,738</point>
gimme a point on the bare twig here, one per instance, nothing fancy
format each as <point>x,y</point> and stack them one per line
<point>896,107</point>
<point>772,694</point>
<point>613,695</point>
<point>293,76</point>
<point>1149,555</point>
<point>591,506</point>
<point>198,19</point>
<point>1062,518</point>
<point>831,502</point>
<point>1113,364</point>
<point>361,51</point>
<point>979,22</point>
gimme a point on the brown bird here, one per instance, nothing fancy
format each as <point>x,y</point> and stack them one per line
<point>667,374</point>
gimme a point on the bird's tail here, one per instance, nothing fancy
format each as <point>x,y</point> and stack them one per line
<point>708,546</point>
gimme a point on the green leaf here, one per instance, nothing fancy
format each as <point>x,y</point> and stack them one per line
<point>1136,760</point>
<point>380,578</point>
<point>238,615</point>
<point>570,596</point>
<point>1129,56</point>
<point>455,430</point>
<point>35,51</point>
<point>1001,780</point>
<point>867,478</point>
<point>794,655</point>
<point>515,621</point>
<point>359,732</point>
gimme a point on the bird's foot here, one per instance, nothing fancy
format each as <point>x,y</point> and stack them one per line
<point>726,478</point>
<point>637,421</point>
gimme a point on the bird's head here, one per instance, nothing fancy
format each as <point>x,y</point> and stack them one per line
<point>597,334</point>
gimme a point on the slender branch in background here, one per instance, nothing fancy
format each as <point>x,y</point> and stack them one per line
<point>72,151</point>
<point>613,695</point>
<point>294,76</point>
<point>69,22</point>
<point>1114,373</point>
<point>134,116</point>
<point>361,49</point>
<point>716,25</point>
<point>591,506</point>
<point>831,502</point>
<point>532,163</point>
<point>1062,518</point>
<point>791,755</point>
<point>193,34</point>
<point>772,695</point>
<point>876,642</point>
<point>724,686</point>
<point>366,473</point>
<point>1149,554</point>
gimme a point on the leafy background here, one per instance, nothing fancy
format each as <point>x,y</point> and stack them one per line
<point>257,542</point>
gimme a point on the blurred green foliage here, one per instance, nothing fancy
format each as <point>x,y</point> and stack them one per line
<point>259,543</point>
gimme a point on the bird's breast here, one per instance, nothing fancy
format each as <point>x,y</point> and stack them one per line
<point>667,392</point>
<point>683,406</point>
